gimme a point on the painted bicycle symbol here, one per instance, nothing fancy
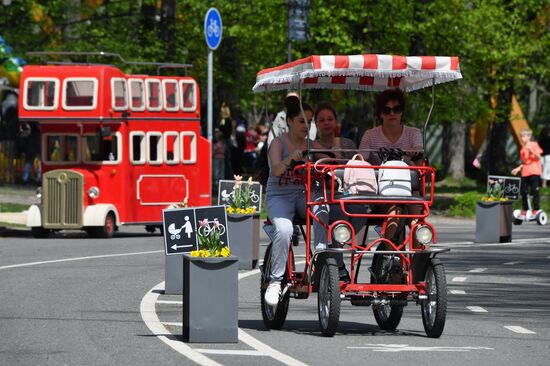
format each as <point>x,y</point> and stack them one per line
<point>229,197</point>
<point>511,188</point>
<point>210,226</point>
<point>213,28</point>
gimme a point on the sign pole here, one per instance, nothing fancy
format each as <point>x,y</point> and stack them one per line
<point>210,92</point>
<point>213,37</point>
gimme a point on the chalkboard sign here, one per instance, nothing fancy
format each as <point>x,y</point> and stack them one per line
<point>226,193</point>
<point>181,226</point>
<point>511,186</point>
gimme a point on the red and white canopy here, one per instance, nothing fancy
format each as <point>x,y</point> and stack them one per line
<point>360,72</point>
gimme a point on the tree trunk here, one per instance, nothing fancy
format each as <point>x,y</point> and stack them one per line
<point>456,141</point>
<point>532,111</point>
<point>72,13</point>
<point>498,135</point>
<point>167,25</point>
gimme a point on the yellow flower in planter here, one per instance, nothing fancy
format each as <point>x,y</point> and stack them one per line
<point>495,192</point>
<point>210,244</point>
<point>241,200</point>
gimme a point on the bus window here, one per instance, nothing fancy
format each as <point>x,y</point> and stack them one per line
<point>154,94</point>
<point>137,147</point>
<point>172,152</point>
<point>154,147</point>
<point>101,149</point>
<point>41,93</point>
<point>171,96</point>
<point>189,147</point>
<point>188,95</point>
<point>61,148</point>
<point>79,93</point>
<point>120,96</point>
<point>137,95</point>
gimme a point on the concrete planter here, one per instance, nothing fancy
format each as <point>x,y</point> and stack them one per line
<point>494,222</point>
<point>210,299</point>
<point>173,274</point>
<point>244,233</point>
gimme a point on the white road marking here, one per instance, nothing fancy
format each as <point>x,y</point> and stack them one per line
<point>477,270</point>
<point>518,329</point>
<point>405,347</point>
<point>173,324</point>
<point>458,292</point>
<point>511,263</point>
<point>459,279</point>
<point>514,242</point>
<point>267,350</point>
<point>230,352</point>
<point>476,309</point>
<point>151,320</point>
<point>168,302</point>
<point>79,259</point>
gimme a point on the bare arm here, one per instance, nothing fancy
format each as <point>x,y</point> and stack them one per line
<point>279,165</point>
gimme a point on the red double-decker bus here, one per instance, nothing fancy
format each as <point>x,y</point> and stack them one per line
<point>116,148</point>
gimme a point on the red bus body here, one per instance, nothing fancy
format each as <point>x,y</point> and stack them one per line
<point>114,146</point>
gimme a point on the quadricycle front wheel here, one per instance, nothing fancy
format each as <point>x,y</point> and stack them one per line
<point>434,308</point>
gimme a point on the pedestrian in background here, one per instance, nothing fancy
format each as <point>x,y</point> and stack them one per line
<point>218,154</point>
<point>531,170</point>
<point>544,143</point>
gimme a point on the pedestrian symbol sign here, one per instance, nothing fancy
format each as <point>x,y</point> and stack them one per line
<point>181,227</point>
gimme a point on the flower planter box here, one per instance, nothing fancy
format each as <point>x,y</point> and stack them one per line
<point>210,299</point>
<point>173,274</point>
<point>494,222</point>
<point>244,233</point>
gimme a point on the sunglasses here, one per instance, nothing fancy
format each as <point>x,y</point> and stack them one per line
<point>387,110</point>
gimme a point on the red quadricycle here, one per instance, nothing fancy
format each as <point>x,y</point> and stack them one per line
<point>400,269</point>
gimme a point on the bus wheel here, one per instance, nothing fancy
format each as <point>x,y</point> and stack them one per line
<point>150,228</point>
<point>39,232</point>
<point>105,231</point>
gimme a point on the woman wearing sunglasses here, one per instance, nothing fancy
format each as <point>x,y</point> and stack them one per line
<point>391,133</point>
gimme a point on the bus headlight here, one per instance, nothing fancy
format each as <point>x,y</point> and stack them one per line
<point>93,192</point>
<point>424,235</point>
<point>39,192</point>
<point>341,233</point>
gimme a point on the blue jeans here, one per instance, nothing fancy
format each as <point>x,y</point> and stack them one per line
<point>282,205</point>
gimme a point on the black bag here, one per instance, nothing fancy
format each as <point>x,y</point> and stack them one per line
<point>262,166</point>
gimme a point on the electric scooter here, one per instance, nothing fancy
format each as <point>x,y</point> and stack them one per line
<point>541,218</point>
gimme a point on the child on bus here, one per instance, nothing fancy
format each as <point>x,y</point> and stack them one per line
<point>531,170</point>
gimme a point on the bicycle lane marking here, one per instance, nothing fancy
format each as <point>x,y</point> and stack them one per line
<point>157,328</point>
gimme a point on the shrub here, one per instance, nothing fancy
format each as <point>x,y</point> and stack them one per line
<point>464,205</point>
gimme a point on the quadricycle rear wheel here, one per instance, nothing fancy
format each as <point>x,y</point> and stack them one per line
<point>273,316</point>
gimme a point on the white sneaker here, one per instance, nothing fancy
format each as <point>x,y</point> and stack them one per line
<point>272,293</point>
<point>320,246</point>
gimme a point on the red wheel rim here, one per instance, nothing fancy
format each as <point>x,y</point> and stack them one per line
<point>109,224</point>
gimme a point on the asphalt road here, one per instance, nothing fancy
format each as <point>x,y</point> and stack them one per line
<point>78,301</point>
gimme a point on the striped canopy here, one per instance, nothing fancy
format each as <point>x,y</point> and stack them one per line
<point>359,72</point>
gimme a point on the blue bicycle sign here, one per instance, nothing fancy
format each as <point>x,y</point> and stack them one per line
<point>213,28</point>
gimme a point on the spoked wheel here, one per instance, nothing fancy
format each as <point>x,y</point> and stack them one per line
<point>386,269</point>
<point>328,298</point>
<point>434,309</point>
<point>273,316</point>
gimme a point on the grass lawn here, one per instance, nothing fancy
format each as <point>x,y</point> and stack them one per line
<point>13,207</point>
